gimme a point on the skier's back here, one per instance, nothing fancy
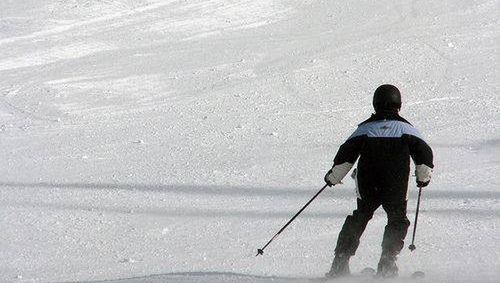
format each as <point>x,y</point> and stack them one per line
<point>384,144</point>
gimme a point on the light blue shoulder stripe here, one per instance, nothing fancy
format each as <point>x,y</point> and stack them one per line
<point>386,129</point>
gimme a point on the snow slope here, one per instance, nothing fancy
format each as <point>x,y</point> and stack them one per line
<point>166,140</point>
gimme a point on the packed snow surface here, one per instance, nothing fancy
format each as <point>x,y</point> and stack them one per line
<point>167,140</point>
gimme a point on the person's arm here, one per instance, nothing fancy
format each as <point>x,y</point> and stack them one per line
<point>344,160</point>
<point>421,154</point>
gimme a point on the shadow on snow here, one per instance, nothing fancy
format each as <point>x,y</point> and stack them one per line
<point>240,191</point>
<point>209,277</point>
<point>233,192</point>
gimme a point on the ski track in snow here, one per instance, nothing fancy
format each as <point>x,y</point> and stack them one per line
<point>167,140</point>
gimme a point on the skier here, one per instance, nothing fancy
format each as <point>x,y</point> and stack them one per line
<point>384,143</point>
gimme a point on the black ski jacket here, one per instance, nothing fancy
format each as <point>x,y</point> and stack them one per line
<point>384,144</point>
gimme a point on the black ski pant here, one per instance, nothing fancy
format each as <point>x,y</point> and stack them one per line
<point>355,224</point>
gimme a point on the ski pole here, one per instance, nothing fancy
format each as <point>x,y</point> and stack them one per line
<point>261,251</point>
<point>412,246</point>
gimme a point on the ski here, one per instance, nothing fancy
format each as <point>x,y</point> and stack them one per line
<point>417,275</point>
<point>367,274</point>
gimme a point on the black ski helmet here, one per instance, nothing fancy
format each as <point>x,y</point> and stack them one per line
<point>387,97</point>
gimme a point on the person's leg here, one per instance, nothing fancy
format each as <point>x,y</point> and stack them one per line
<point>348,239</point>
<point>396,228</point>
<point>354,226</point>
<point>394,235</point>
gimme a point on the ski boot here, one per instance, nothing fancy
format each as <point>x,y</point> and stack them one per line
<point>340,267</point>
<point>387,267</point>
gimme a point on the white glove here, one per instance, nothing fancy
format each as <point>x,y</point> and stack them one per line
<point>337,173</point>
<point>424,174</point>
